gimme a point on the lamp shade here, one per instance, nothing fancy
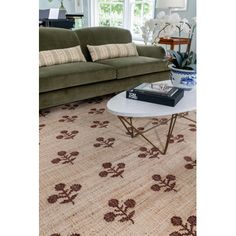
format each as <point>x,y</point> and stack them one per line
<point>170,4</point>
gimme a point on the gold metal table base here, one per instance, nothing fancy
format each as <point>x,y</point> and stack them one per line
<point>128,124</point>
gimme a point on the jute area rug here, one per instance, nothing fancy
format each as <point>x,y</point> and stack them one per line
<point>96,180</point>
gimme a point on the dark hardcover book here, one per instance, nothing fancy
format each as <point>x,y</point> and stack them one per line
<point>156,88</point>
<point>155,97</point>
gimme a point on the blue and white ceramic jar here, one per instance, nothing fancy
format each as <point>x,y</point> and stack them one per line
<point>185,79</point>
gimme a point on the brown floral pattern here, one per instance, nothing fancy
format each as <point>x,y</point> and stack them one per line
<point>41,126</point>
<point>149,153</point>
<point>191,163</point>
<point>44,113</point>
<point>65,157</point>
<point>100,124</point>
<point>102,142</point>
<point>68,118</point>
<point>120,210</point>
<point>167,183</point>
<point>70,106</point>
<point>64,193</point>
<point>192,127</point>
<point>159,121</point>
<point>96,111</point>
<point>114,171</point>
<point>178,138</point>
<point>189,228</point>
<point>65,134</point>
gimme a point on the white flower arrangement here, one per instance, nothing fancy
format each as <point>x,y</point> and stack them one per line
<point>164,26</point>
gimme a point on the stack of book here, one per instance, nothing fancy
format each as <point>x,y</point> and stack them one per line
<point>159,93</point>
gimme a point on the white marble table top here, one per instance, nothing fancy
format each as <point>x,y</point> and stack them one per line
<point>121,106</point>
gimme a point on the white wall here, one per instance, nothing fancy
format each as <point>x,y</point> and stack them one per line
<point>68,4</point>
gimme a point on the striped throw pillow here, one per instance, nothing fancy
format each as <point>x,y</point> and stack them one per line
<point>112,50</point>
<point>60,56</point>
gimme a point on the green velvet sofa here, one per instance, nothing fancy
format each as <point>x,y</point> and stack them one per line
<point>64,83</point>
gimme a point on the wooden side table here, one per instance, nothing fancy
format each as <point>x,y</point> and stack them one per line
<point>174,41</point>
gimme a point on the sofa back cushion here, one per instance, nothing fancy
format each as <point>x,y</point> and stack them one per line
<point>56,38</point>
<point>112,51</point>
<point>101,36</point>
<point>60,56</point>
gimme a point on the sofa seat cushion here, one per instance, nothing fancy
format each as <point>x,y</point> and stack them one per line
<point>73,74</point>
<point>136,65</point>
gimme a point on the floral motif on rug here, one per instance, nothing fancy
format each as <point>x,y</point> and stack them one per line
<point>65,194</point>
<point>185,229</point>
<point>167,184</point>
<point>102,142</point>
<point>113,171</point>
<point>121,211</point>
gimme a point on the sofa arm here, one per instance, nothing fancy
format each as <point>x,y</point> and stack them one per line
<point>151,51</point>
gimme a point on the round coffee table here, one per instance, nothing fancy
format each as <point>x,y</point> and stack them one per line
<point>127,109</point>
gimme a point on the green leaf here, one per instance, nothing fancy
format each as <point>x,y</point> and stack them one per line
<point>177,58</point>
<point>183,60</point>
<point>193,67</point>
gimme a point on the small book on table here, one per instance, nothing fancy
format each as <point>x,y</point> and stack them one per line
<point>159,93</point>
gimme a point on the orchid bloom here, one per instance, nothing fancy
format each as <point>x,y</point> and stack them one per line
<point>164,26</point>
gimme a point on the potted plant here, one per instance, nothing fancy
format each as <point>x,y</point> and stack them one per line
<point>164,26</point>
<point>183,67</point>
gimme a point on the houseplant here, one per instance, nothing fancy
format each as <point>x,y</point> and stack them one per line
<point>164,26</point>
<point>183,66</point>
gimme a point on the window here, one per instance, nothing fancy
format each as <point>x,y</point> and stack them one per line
<point>143,10</point>
<point>110,13</point>
<point>130,14</point>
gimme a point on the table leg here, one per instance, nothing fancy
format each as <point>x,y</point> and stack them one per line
<point>132,127</point>
<point>171,128</point>
<point>123,120</point>
<point>194,121</point>
<point>128,124</point>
